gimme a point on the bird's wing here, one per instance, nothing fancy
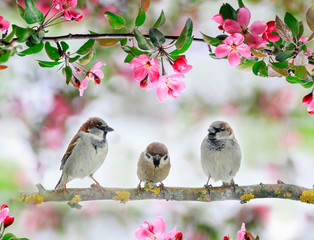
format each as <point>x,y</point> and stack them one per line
<point>68,152</point>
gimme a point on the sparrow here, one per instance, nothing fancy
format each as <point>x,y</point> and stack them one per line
<point>85,153</point>
<point>153,164</point>
<point>220,154</point>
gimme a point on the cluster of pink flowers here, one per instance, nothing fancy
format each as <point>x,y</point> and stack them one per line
<point>243,37</point>
<point>64,6</point>
<point>5,219</point>
<point>145,68</point>
<point>148,231</point>
<point>4,24</point>
<point>241,235</point>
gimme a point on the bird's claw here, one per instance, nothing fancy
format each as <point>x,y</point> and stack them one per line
<point>139,189</point>
<point>208,187</point>
<point>98,187</point>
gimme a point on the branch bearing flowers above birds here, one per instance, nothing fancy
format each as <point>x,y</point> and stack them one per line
<point>148,231</point>
<point>241,26</point>
<point>4,24</point>
<point>233,47</point>
<point>144,67</point>
<point>171,85</point>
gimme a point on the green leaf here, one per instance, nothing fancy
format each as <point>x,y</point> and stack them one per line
<point>123,41</point>
<point>222,37</point>
<point>48,64</point>
<point>210,40</point>
<point>8,236</point>
<point>133,51</point>
<point>11,35</point>
<point>283,72</point>
<point>68,73</point>
<point>64,46</point>
<point>161,20</point>
<point>140,19</point>
<point>283,65</point>
<point>128,58</point>
<point>183,49</point>
<point>4,55</point>
<point>283,30</point>
<point>301,30</point>
<point>34,38</point>
<point>86,47</point>
<point>241,4</point>
<point>87,58</point>
<point>246,66</point>
<point>142,42</point>
<point>293,80</point>
<point>115,21</point>
<point>52,52</point>
<point>260,69</point>
<point>73,59</point>
<point>32,50</point>
<point>21,10</point>
<point>282,56</point>
<point>32,14</point>
<point>157,38</point>
<point>228,12</point>
<point>293,24</point>
<point>22,33</point>
<point>107,42</point>
<point>185,35</point>
<point>300,72</point>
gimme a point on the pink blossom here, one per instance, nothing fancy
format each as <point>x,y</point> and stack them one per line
<point>241,26</point>
<point>148,231</point>
<point>304,40</point>
<point>241,232</point>
<point>269,34</point>
<point>144,66</point>
<point>4,24</point>
<point>93,74</point>
<point>233,47</point>
<point>171,85</point>
<point>72,15</point>
<point>181,65</point>
<point>3,214</point>
<point>64,4</point>
<point>220,20</point>
<point>308,100</point>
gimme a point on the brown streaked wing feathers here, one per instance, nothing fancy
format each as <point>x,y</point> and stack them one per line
<point>69,150</point>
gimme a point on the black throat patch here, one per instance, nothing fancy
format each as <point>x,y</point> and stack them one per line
<point>215,144</point>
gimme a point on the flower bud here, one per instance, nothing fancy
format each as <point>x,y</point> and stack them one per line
<point>178,236</point>
<point>8,221</point>
<point>4,206</point>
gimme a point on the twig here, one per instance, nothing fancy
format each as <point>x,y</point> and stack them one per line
<point>241,193</point>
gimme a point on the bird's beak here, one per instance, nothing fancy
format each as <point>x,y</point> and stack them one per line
<point>108,129</point>
<point>156,160</point>
<point>211,130</point>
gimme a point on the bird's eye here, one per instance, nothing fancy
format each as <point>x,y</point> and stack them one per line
<point>222,129</point>
<point>148,155</point>
<point>165,157</point>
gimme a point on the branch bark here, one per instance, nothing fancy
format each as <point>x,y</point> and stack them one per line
<point>241,193</point>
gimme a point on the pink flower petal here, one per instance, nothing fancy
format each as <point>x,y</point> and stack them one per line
<point>234,59</point>
<point>254,41</point>
<point>4,24</point>
<point>238,38</point>
<point>162,92</point>
<point>83,86</point>
<point>222,50</point>
<point>303,39</point>
<point>231,26</point>
<point>142,234</point>
<point>153,75</point>
<point>273,37</point>
<point>241,232</point>
<point>97,65</point>
<point>72,15</point>
<point>218,18</point>
<point>271,26</point>
<point>170,235</point>
<point>160,225</point>
<point>310,108</point>
<point>244,17</point>
<point>155,63</point>
<point>244,50</point>
<point>258,27</point>
<point>307,99</point>
<point>3,214</point>
<point>139,61</point>
<point>140,73</point>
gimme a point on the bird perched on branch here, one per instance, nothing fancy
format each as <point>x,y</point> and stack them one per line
<point>153,164</point>
<point>86,152</point>
<point>220,154</point>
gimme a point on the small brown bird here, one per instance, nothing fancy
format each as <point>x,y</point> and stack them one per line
<point>153,164</point>
<point>220,153</point>
<point>86,152</point>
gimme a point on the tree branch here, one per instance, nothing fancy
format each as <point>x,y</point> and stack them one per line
<point>101,36</point>
<point>240,193</point>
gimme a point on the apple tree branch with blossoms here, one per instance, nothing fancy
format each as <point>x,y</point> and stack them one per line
<point>277,48</point>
